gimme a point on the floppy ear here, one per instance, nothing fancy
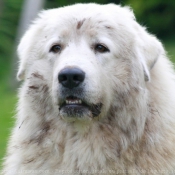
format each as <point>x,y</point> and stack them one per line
<point>26,44</point>
<point>24,52</point>
<point>151,50</point>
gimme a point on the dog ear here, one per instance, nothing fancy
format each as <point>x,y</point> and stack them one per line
<point>151,50</point>
<point>24,53</point>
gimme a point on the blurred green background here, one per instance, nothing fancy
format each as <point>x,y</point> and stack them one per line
<point>157,15</point>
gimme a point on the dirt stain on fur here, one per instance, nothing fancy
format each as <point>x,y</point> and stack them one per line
<point>40,135</point>
<point>80,23</point>
<point>37,75</point>
<point>33,87</point>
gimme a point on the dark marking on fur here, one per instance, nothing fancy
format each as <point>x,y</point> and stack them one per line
<point>45,88</point>
<point>80,23</point>
<point>33,87</point>
<point>136,90</point>
<point>40,98</point>
<point>113,143</point>
<point>101,127</point>
<point>29,161</point>
<point>37,75</point>
<point>153,111</point>
<point>21,125</point>
<point>45,129</point>
<point>96,109</point>
<point>46,126</point>
<point>108,27</point>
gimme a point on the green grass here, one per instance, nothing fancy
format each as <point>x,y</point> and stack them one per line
<point>7,107</point>
<point>8,101</point>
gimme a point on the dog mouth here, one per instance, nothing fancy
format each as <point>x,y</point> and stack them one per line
<point>77,107</point>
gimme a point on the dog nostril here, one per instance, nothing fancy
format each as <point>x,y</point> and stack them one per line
<point>62,78</point>
<point>79,77</point>
<point>71,77</point>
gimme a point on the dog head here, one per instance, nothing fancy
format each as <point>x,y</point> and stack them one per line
<point>97,56</point>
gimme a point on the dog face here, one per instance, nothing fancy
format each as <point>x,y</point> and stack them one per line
<point>96,60</point>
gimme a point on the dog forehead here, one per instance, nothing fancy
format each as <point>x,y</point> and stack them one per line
<point>80,13</point>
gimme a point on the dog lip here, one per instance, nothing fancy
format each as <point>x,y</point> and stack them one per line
<point>73,102</point>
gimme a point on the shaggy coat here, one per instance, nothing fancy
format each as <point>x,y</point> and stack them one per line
<point>122,116</point>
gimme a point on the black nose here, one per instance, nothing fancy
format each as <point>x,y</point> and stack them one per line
<point>71,77</point>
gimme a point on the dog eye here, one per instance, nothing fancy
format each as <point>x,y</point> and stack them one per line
<point>101,48</point>
<point>55,48</point>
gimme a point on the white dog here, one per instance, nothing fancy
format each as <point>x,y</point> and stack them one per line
<point>98,96</point>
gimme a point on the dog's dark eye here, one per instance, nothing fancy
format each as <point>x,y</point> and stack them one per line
<point>101,48</point>
<point>55,48</point>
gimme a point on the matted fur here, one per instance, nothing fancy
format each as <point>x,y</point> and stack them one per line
<point>134,81</point>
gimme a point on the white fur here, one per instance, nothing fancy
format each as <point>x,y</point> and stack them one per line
<point>135,131</point>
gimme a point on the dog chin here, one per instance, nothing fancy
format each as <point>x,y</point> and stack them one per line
<point>72,113</point>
